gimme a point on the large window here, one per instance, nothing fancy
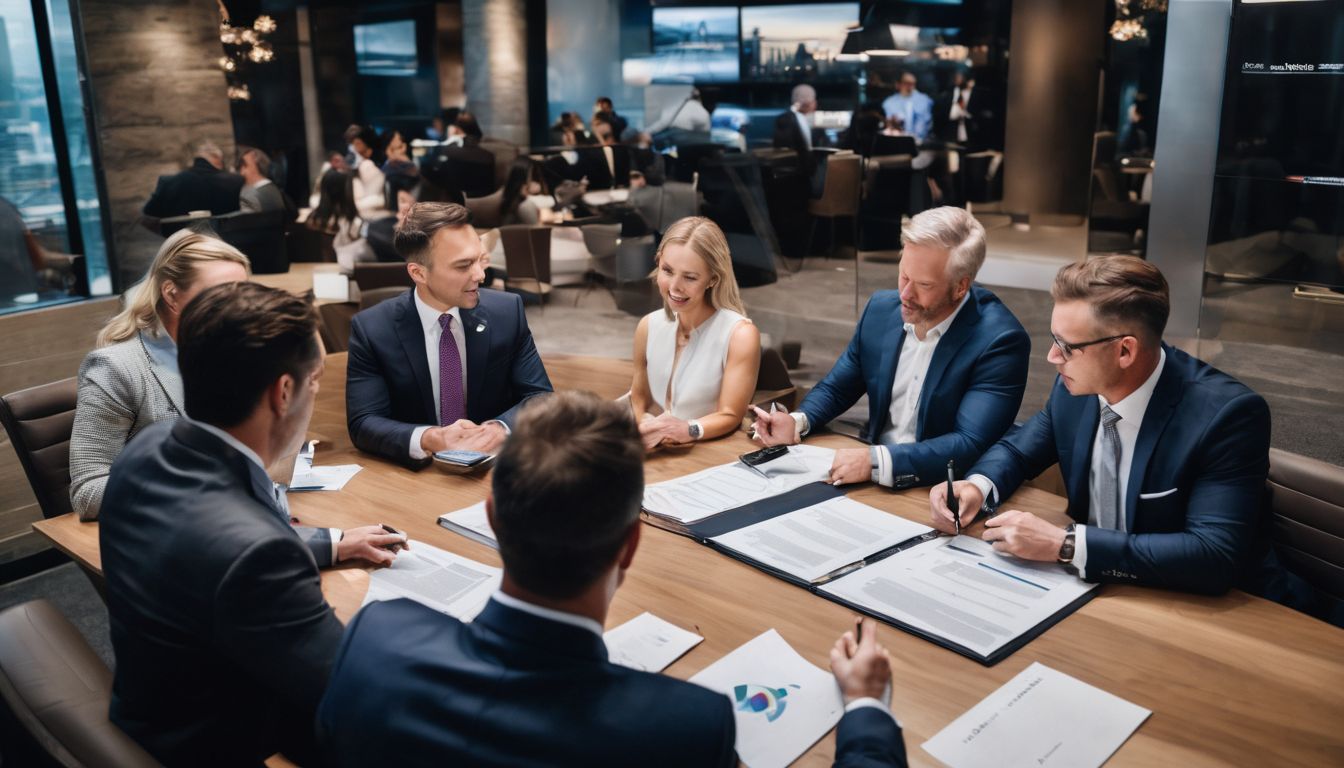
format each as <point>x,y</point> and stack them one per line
<point>52,238</point>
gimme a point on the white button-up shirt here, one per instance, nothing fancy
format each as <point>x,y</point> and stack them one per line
<point>429,321</point>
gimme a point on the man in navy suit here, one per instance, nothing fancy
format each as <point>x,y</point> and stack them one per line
<point>446,365</point>
<point>1164,457</point>
<point>222,636</point>
<point>943,362</point>
<point>529,682</point>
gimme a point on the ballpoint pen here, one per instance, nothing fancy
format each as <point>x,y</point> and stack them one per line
<point>952,504</point>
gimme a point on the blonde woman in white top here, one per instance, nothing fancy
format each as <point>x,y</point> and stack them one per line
<point>696,359</point>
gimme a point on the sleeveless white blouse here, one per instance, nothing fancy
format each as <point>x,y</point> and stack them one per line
<point>699,374</point>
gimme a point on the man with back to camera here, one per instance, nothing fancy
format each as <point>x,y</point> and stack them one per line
<point>528,682</point>
<point>1164,457</point>
<point>222,637</point>
<point>943,362</point>
<point>445,365</point>
<point>204,186</point>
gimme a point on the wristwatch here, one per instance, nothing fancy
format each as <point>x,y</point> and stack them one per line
<point>695,429</point>
<point>1066,549</point>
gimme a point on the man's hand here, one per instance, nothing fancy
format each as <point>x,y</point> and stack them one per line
<point>969,501</point>
<point>664,429</point>
<point>486,438</point>
<point>851,465</point>
<point>1024,535</point>
<point>861,667</point>
<point>776,428</point>
<point>464,435</point>
<point>370,543</point>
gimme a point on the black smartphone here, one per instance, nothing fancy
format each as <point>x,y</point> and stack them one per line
<point>757,458</point>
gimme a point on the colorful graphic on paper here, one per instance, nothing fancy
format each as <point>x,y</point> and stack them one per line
<point>751,697</point>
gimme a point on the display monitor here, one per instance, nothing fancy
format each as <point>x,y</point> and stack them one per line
<point>694,45</point>
<point>386,48</point>
<point>796,42</point>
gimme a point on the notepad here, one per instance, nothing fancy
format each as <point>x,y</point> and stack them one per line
<point>648,643</point>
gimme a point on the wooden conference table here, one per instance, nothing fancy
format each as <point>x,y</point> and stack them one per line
<point>1232,680</point>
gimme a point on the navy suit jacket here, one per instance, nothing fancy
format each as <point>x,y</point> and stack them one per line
<point>970,395</point>
<point>1201,457</point>
<point>222,637</point>
<point>514,689</point>
<point>388,391</point>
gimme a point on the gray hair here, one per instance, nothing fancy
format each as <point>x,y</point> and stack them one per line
<point>262,160</point>
<point>209,149</point>
<point>803,92</point>
<point>951,229</point>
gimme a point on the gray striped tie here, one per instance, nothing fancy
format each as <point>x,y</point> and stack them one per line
<point>1108,501</point>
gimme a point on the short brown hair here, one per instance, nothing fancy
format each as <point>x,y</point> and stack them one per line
<point>1120,290</point>
<point>235,340</point>
<point>567,488</point>
<point>414,234</point>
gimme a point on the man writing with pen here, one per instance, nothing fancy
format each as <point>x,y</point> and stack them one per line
<point>942,360</point>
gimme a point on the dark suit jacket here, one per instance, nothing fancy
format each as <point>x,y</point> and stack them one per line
<point>388,391</point>
<point>970,395</point>
<point>198,188</point>
<point>469,169</point>
<point>1202,453</point>
<point>222,637</point>
<point>514,689</point>
<point>788,134</point>
<point>977,124</point>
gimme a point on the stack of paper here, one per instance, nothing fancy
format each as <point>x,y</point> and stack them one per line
<point>446,582</point>
<point>696,496</point>
<point>471,522</point>
<point>1041,717</point>
<point>781,704</point>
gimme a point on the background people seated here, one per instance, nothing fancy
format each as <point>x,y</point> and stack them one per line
<point>338,215</point>
<point>912,108</point>
<point>369,178</point>
<point>565,507</point>
<point>259,193</point>
<point>447,364</point>
<point>205,186</point>
<point>222,637</point>
<point>943,362</point>
<point>696,359</point>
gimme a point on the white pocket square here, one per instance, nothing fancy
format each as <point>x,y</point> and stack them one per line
<point>1157,495</point>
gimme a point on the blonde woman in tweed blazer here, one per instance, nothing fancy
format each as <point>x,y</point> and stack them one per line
<point>130,380</point>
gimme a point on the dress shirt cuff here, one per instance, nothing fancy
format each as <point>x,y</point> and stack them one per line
<point>988,490</point>
<point>1080,550</point>
<point>869,701</point>
<point>336,535</point>
<point>417,452</point>
<point>507,432</point>
<point>800,419</point>
<point>881,459</point>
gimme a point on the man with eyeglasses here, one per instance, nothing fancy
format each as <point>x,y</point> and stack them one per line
<point>1164,457</point>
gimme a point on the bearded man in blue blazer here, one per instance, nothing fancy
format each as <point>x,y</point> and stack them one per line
<point>942,360</point>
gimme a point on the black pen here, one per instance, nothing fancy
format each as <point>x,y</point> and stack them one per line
<point>952,503</point>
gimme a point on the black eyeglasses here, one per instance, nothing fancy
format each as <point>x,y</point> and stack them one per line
<point>1066,349</point>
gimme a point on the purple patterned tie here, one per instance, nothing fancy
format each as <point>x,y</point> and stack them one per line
<point>450,375</point>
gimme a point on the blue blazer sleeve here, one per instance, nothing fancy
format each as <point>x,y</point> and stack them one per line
<point>368,403</point>
<point>1222,513</point>
<point>985,414</point>
<point>527,373</point>
<point>1024,454</point>
<point>843,386</point>
<point>869,738</point>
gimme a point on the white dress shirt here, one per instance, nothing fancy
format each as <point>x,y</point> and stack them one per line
<point>1131,410</point>
<point>429,321</point>
<point>279,490</point>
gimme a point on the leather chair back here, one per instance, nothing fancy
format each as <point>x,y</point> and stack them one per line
<point>58,691</point>
<point>259,235</point>
<point>840,192</point>
<point>371,275</point>
<point>485,211</point>
<point>1306,498</point>
<point>527,256</point>
<point>373,298</point>
<point>39,421</point>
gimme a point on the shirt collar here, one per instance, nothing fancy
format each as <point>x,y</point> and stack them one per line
<point>429,316</point>
<point>937,331</point>
<point>233,442</point>
<point>261,183</point>
<point>1135,404</point>
<point>564,617</point>
<point>160,346</point>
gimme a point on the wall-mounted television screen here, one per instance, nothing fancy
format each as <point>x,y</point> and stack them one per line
<point>694,45</point>
<point>795,42</point>
<point>386,48</point>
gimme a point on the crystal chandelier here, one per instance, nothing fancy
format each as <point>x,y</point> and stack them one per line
<point>243,44</point>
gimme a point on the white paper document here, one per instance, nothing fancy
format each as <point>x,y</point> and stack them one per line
<point>446,582</point>
<point>694,497</point>
<point>471,522</point>
<point>1042,717</point>
<point>963,591</point>
<point>781,703</point>
<point>818,540</point>
<point>648,643</point>
<point>310,478</point>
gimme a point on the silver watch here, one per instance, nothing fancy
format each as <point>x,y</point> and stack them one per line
<point>695,429</point>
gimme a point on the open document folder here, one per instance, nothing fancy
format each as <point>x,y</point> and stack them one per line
<point>694,497</point>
